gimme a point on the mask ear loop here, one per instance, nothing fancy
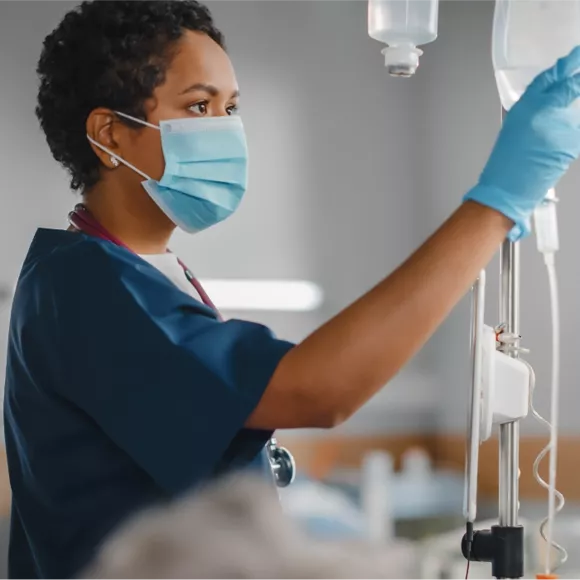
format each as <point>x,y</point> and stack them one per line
<point>135,120</point>
<point>119,159</point>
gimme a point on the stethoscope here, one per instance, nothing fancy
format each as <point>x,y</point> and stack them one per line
<point>280,459</point>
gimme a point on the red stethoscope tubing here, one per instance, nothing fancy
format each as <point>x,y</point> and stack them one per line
<point>82,219</point>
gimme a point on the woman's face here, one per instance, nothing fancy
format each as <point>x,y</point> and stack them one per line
<point>199,82</point>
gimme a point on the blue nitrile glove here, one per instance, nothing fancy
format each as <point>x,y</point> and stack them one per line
<point>538,141</point>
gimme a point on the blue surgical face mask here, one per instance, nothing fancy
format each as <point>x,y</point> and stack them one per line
<point>206,169</point>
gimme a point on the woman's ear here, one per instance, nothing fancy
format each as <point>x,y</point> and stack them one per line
<point>100,127</point>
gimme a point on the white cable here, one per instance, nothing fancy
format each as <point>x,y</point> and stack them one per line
<point>536,471</point>
<point>553,509</point>
<point>546,226</point>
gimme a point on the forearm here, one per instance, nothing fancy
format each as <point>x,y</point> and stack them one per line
<point>345,362</point>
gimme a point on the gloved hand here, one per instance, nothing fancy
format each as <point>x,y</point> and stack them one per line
<point>538,141</point>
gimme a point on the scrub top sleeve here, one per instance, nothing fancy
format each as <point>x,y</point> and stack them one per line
<point>160,375</point>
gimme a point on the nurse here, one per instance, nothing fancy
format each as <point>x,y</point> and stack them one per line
<point>124,388</point>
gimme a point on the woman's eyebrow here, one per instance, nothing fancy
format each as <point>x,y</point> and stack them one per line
<point>210,89</point>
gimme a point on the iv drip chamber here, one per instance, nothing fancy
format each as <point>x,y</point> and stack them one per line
<point>403,25</point>
<point>529,37</point>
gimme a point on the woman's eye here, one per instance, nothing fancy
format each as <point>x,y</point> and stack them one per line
<point>233,110</point>
<point>199,108</point>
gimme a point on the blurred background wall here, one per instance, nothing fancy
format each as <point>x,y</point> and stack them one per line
<point>351,170</point>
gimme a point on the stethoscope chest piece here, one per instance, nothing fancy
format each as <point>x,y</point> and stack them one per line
<point>282,463</point>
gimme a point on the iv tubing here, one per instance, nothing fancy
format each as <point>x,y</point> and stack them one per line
<point>550,267</point>
<point>553,493</point>
<point>548,245</point>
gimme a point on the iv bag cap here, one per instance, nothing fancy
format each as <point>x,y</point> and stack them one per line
<point>402,61</point>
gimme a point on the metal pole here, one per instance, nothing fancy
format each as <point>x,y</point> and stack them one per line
<point>503,545</point>
<point>507,551</point>
<point>509,435</point>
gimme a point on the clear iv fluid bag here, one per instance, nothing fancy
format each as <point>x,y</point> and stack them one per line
<point>403,25</point>
<point>529,36</point>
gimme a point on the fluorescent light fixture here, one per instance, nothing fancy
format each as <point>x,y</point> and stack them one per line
<point>273,295</point>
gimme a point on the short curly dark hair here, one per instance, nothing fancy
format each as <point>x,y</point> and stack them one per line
<point>109,54</point>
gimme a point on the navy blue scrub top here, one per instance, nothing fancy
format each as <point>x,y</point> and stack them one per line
<point>121,391</point>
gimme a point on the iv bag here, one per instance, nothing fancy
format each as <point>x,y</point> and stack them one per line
<point>403,25</point>
<point>529,36</point>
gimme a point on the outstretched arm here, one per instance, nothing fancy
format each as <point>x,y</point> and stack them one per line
<point>339,367</point>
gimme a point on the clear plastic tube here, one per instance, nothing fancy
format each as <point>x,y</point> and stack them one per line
<point>558,495</point>
<point>546,225</point>
<point>553,509</point>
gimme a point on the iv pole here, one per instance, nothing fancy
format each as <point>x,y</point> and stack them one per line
<point>509,434</point>
<point>503,545</point>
